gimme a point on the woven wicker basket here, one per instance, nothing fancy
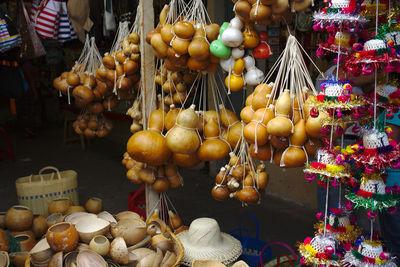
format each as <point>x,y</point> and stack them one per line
<point>37,191</point>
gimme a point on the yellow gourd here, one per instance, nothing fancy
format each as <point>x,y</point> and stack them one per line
<point>246,114</point>
<point>261,179</point>
<point>148,147</point>
<point>199,48</point>
<point>180,46</point>
<point>261,96</point>
<point>250,38</point>
<point>170,118</point>
<point>228,117</point>
<point>211,129</point>
<point>281,125</point>
<point>294,157</point>
<point>283,105</point>
<point>234,134</point>
<point>299,136</point>
<point>314,125</point>
<point>255,132</point>
<point>183,138</point>
<point>235,81</point>
<point>263,152</point>
<point>212,148</point>
<point>248,195</point>
<point>156,120</point>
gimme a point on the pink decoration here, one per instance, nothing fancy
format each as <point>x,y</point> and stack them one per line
<point>335,183</point>
<point>320,216</point>
<point>371,215</point>
<point>338,113</point>
<point>349,206</point>
<point>355,128</point>
<point>367,69</point>
<point>329,250</point>
<point>369,170</point>
<point>309,177</point>
<point>357,47</point>
<point>340,159</point>
<point>384,255</point>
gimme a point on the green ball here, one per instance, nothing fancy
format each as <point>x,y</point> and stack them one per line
<point>223,27</point>
<point>220,50</point>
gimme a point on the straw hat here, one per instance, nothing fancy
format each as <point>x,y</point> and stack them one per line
<point>368,254</point>
<point>319,250</point>
<point>373,194</point>
<point>377,151</point>
<point>204,240</point>
<point>339,226</point>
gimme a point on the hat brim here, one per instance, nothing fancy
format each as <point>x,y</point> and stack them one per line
<point>227,251</point>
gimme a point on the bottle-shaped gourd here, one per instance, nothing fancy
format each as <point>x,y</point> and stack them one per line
<point>255,132</point>
<point>213,148</point>
<point>281,125</point>
<point>183,137</point>
<point>232,123</point>
<point>235,81</point>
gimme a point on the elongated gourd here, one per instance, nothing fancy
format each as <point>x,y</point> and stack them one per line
<point>170,118</point>
<point>156,120</point>
<point>299,136</point>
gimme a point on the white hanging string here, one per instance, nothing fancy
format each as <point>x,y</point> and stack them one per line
<point>326,205</point>
<point>376,71</point>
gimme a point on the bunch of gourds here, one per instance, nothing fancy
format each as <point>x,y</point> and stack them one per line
<point>135,112</point>
<point>275,124</point>
<point>92,124</point>
<point>231,47</point>
<point>183,42</point>
<point>238,179</point>
<point>175,85</point>
<point>120,69</point>
<point>190,136</point>
<point>161,177</point>
<point>265,12</point>
<point>81,81</point>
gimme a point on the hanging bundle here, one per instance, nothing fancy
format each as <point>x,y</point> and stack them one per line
<point>80,81</point>
<point>240,179</point>
<point>276,114</point>
<point>120,68</point>
<point>182,38</point>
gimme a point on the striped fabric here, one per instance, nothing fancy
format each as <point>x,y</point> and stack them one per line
<point>45,16</point>
<point>65,30</point>
<point>7,41</point>
<point>50,195</point>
